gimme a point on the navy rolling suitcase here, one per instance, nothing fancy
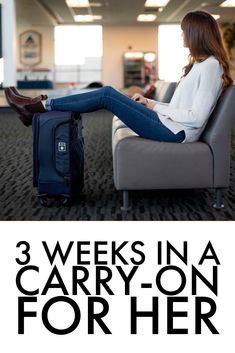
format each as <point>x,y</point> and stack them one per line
<point>58,156</point>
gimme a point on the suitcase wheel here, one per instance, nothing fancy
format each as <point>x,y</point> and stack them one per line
<point>43,201</point>
<point>64,201</point>
<point>60,201</point>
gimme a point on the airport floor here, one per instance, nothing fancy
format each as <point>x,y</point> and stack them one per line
<point>99,200</point>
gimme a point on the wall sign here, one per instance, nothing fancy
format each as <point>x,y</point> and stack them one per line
<point>30,48</point>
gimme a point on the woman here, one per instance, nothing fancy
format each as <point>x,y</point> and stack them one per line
<point>182,120</point>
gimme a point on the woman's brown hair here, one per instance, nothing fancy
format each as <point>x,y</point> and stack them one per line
<point>203,37</point>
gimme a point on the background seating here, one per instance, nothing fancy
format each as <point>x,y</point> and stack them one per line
<point>164,91</point>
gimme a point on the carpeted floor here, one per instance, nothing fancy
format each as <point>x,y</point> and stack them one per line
<point>99,200</point>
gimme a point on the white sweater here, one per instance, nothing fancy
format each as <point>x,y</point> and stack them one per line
<point>193,101</point>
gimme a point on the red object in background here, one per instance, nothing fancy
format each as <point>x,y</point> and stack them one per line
<point>72,85</point>
<point>149,91</point>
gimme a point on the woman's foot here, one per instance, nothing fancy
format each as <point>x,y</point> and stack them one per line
<point>24,106</point>
<point>16,92</point>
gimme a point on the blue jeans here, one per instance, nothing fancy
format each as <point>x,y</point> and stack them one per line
<point>139,118</point>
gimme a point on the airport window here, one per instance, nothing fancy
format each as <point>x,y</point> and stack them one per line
<point>78,54</point>
<point>172,56</point>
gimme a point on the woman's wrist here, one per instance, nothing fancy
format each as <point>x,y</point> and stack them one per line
<point>149,105</point>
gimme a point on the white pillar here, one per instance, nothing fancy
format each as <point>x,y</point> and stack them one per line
<point>9,42</point>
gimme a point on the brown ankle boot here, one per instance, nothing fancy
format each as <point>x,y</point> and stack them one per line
<point>24,106</point>
<point>17,93</point>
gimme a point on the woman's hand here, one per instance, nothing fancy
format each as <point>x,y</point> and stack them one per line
<point>150,105</point>
<point>142,100</point>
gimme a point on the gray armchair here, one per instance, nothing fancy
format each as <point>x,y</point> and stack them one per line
<point>140,164</point>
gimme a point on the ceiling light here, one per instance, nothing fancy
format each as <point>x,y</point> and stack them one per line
<point>77,3</point>
<point>86,18</point>
<point>228,3</point>
<point>216,17</point>
<point>95,4</point>
<point>156,3</point>
<point>97,17</point>
<point>146,18</point>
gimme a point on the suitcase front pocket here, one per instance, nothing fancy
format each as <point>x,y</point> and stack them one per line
<point>62,149</point>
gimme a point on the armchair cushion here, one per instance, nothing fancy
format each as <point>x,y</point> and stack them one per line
<point>146,164</point>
